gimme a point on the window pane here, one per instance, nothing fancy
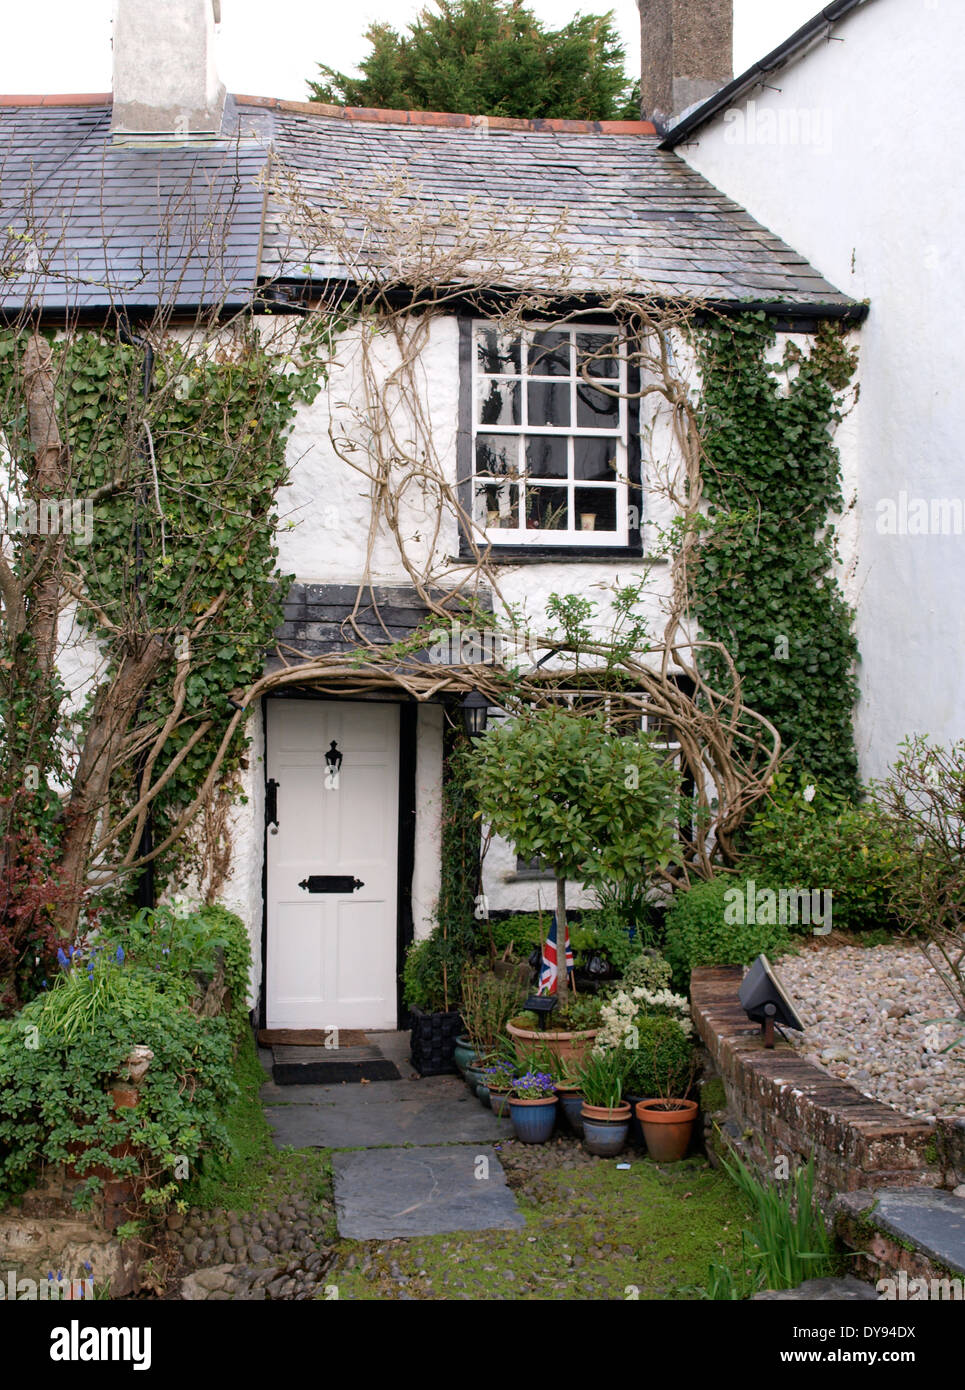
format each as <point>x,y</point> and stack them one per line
<point>595,460</point>
<point>499,403</point>
<point>497,352</point>
<point>549,403</point>
<point>595,409</point>
<point>497,453</point>
<point>547,508</point>
<point>546,457</point>
<point>496,506</point>
<point>598,355</point>
<point>549,354</point>
<point>596,508</point>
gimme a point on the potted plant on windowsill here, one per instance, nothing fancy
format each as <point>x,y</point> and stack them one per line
<point>606,1117</point>
<point>532,1106</point>
<point>553,782</point>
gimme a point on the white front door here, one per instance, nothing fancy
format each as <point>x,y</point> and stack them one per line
<point>331,956</point>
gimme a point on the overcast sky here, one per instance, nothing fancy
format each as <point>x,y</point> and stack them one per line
<point>270,47</point>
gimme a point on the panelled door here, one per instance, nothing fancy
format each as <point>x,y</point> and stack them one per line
<point>332,864</point>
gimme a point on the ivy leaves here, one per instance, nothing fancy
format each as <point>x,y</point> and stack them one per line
<point>763,586</point>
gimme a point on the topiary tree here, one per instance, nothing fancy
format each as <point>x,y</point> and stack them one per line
<point>597,807</point>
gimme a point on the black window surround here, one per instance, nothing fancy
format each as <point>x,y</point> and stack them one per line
<point>547,442</point>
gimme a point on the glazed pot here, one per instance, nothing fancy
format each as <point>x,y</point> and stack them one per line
<point>635,1133</point>
<point>533,1120</point>
<point>474,1073</point>
<point>499,1101</point>
<point>568,1047</point>
<point>462,1052</point>
<point>571,1102</point>
<point>667,1126</point>
<point>605,1128</point>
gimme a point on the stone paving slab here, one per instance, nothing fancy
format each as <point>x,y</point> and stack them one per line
<point>381,1194</point>
<point>349,1121</point>
<point>372,1093</point>
<point>933,1220</point>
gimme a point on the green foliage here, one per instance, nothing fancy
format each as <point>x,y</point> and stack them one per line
<point>432,972</point>
<point>560,785</point>
<point>204,530</point>
<point>606,929</point>
<point>523,931</point>
<point>649,969</point>
<point>492,58</point>
<point>488,1003</point>
<point>762,586</point>
<point>55,1104</point>
<point>459,868</point>
<point>181,945</point>
<point>697,933</point>
<point>788,1236</point>
<point>826,843</point>
<point>601,1078</point>
<point>662,1062</point>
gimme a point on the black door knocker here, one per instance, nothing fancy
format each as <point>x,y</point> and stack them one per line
<point>333,766</point>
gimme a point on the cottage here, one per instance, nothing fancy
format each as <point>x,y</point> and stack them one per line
<point>486,440</point>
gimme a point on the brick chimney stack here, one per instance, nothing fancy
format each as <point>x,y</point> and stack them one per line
<point>687,54</point>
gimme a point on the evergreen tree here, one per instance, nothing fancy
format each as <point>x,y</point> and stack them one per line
<point>491,58</point>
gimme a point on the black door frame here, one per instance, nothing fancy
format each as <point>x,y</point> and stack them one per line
<point>408,729</point>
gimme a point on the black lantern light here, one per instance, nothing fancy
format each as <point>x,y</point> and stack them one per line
<point>333,758</point>
<point>765,1000</point>
<point>475,713</point>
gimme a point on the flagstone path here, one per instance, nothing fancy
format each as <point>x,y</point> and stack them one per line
<point>412,1157</point>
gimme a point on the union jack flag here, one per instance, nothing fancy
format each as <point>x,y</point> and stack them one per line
<point>548,964</point>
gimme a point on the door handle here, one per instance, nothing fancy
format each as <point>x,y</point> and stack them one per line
<point>271,805</point>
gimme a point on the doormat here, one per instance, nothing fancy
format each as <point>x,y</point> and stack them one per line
<point>311,1037</point>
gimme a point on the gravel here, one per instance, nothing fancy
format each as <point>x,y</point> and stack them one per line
<point>873,1018</point>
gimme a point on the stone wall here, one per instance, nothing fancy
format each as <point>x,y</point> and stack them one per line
<point>779,1105</point>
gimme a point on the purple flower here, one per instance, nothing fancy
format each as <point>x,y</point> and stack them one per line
<point>61,958</point>
<point>119,955</point>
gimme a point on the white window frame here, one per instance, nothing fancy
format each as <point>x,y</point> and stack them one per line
<point>572,537</point>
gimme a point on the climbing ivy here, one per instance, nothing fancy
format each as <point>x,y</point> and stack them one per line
<point>763,584</point>
<point>219,419</point>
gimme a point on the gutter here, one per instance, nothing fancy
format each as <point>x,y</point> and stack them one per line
<point>750,79</point>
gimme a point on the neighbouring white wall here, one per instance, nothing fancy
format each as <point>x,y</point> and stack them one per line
<point>863,180</point>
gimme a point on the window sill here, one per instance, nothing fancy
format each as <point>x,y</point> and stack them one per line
<point>544,554</point>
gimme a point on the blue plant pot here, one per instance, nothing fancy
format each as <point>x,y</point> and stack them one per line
<point>572,1103</point>
<point>499,1104</point>
<point>532,1120</point>
<point>635,1133</point>
<point>463,1053</point>
<point>605,1138</point>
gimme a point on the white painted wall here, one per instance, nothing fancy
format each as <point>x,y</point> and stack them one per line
<point>870,192</point>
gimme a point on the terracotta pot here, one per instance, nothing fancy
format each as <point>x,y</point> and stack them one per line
<point>607,1114</point>
<point>499,1100</point>
<point>568,1047</point>
<point>667,1131</point>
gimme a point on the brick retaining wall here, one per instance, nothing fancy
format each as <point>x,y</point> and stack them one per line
<point>783,1104</point>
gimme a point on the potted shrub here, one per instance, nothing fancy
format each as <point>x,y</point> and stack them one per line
<point>606,1116</point>
<point>553,782</point>
<point>532,1106</point>
<point>667,1065</point>
<point>430,981</point>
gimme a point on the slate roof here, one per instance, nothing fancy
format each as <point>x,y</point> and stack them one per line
<point>318,618</point>
<point>122,224</point>
<point>198,223</point>
<point>633,209</point>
